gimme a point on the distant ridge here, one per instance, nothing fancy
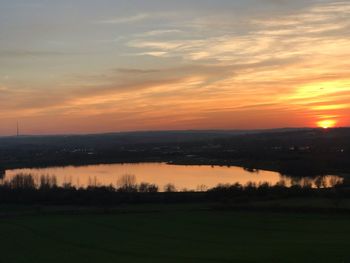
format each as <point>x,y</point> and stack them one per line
<point>152,132</point>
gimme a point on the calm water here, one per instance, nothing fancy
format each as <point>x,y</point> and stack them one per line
<point>189,177</point>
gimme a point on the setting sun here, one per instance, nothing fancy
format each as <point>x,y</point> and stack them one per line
<point>325,124</point>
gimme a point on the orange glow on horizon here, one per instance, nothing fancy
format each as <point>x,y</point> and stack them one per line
<point>325,124</point>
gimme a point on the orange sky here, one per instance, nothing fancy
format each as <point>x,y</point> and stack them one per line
<point>104,66</point>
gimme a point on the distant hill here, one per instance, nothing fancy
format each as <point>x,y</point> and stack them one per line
<point>141,137</point>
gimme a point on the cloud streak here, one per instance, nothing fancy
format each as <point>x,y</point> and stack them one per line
<point>124,20</point>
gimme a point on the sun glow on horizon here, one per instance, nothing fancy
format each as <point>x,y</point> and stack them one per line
<point>325,124</point>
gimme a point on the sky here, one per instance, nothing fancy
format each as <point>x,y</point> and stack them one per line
<point>94,66</point>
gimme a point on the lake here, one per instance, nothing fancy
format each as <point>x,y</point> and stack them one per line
<point>190,177</point>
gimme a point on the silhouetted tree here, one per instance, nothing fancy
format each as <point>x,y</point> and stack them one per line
<point>202,188</point>
<point>148,188</point>
<point>127,183</point>
<point>2,173</point>
<point>23,181</point>
<point>169,188</point>
<point>334,181</point>
<point>48,182</point>
<point>93,182</point>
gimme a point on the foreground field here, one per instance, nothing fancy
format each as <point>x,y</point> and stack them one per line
<point>175,235</point>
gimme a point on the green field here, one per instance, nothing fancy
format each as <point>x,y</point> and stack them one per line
<point>175,235</point>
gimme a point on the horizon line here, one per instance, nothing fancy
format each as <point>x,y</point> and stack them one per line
<point>174,130</point>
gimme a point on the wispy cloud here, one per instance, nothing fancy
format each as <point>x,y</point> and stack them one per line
<point>30,53</point>
<point>159,32</point>
<point>277,37</point>
<point>124,20</point>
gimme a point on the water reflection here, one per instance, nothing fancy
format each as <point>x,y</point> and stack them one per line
<point>191,177</point>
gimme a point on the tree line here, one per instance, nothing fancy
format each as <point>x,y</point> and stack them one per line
<point>25,189</point>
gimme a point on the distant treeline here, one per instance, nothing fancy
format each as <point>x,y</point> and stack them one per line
<point>23,189</point>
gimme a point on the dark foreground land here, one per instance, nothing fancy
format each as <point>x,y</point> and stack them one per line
<point>229,223</point>
<point>171,233</point>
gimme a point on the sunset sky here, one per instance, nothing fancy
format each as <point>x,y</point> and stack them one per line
<point>89,66</point>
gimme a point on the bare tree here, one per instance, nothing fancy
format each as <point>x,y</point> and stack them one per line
<point>148,188</point>
<point>319,181</point>
<point>127,183</point>
<point>169,188</point>
<point>47,182</point>
<point>334,181</point>
<point>306,183</point>
<point>281,183</point>
<point>23,181</point>
<point>202,188</point>
<point>93,183</point>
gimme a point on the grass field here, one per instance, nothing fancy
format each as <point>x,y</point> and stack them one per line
<point>174,235</point>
